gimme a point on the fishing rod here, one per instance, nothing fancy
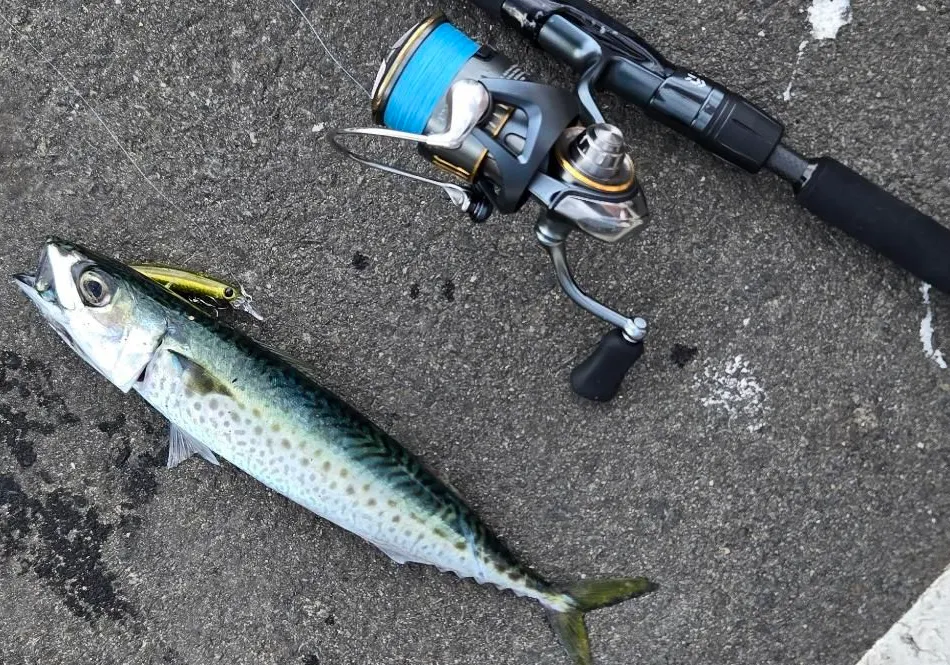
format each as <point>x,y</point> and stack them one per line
<point>507,139</point>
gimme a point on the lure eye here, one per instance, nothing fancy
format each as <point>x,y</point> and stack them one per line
<point>228,292</point>
<point>94,288</point>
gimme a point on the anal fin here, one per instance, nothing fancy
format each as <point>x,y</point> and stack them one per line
<point>398,554</point>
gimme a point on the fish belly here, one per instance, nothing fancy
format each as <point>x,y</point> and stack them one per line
<point>313,470</point>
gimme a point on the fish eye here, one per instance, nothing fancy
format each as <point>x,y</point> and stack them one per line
<point>94,288</point>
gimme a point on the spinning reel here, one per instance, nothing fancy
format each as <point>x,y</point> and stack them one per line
<point>507,139</point>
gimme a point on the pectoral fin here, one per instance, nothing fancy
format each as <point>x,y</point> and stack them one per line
<point>198,379</point>
<point>181,446</point>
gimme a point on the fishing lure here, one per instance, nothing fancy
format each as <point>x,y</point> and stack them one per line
<point>198,287</point>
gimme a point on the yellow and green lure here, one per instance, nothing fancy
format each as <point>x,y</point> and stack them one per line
<point>198,287</point>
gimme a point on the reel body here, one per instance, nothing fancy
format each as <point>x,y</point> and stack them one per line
<point>507,139</point>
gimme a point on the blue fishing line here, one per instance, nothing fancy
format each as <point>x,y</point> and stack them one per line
<point>426,78</point>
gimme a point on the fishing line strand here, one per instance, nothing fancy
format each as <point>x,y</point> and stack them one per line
<point>327,49</point>
<point>98,117</point>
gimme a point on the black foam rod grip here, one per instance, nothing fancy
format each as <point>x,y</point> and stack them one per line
<point>599,377</point>
<point>846,199</point>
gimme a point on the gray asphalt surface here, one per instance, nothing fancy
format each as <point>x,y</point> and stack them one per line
<point>791,504</point>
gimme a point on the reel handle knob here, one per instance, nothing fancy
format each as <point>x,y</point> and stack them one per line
<point>599,376</point>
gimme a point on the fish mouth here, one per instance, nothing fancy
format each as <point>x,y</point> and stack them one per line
<point>25,280</point>
<point>49,284</point>
<point>38,287</point>
<point>29,284</point>
<point>41,278</point>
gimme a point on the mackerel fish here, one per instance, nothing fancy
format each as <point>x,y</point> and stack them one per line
<point>226,395</point>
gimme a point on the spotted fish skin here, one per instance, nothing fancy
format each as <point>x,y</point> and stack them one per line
<point>270,419</point>
<point>226,395</point>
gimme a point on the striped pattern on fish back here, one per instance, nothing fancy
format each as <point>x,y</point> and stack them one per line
<point>275,380</point>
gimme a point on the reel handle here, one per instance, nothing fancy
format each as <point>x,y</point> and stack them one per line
<point>597,378</point>
<point>600,375</point>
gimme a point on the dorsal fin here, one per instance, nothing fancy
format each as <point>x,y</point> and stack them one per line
<point>296,363</point>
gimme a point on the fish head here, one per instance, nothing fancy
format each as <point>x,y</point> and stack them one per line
<point>99,307</point>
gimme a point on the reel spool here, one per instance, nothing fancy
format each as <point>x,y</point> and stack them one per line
<point>506,139</point>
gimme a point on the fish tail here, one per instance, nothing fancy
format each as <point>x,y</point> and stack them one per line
<point>566,610</point>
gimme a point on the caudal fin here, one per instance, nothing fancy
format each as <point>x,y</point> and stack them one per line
<point>587,596</point>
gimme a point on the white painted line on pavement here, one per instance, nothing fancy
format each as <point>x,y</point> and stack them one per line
<point>927,330</point>
<point>922,636</point>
